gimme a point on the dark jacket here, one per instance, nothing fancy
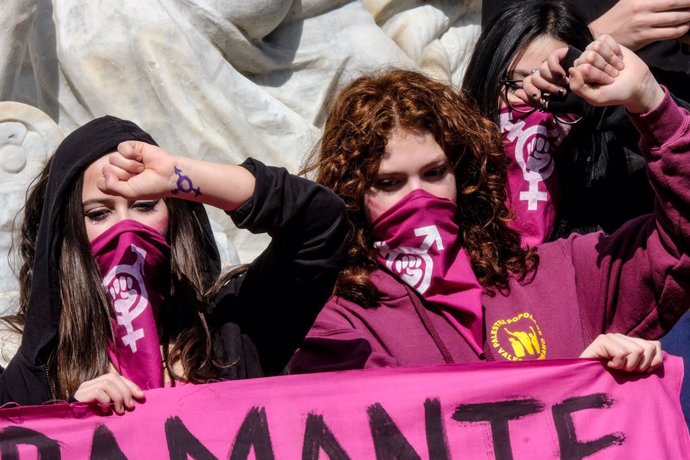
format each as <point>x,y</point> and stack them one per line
<point>276,301</point>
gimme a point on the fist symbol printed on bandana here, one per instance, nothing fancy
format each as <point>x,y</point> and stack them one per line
<point>125,283</point>
<point>410,268</point>
<point>122,293</point>
<point>414,266</point>
<point>540,157</point>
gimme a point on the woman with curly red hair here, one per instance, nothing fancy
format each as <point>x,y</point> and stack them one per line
<point>436,275</point>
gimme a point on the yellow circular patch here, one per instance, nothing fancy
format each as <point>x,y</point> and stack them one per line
<point>518,338</point>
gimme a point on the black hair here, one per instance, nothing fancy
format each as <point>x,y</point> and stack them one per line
<point>508,33</point>
<point>64,310</point>
<point>586,170</point>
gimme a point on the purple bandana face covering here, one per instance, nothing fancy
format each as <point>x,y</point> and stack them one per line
<point>133,260</point>
<point>530,142</point>
<point>417,240</point>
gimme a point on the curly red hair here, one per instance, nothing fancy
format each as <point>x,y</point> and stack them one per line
<point>347,159</point>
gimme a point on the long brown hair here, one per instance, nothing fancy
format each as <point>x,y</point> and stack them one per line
<point>357,128</point>
<point>84,326</point>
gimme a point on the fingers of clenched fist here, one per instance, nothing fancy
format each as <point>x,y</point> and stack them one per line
<point>601,62</point>
<point>550,77</point>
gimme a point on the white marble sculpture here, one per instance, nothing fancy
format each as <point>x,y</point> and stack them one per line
<point>215,79</point>
<point>27,136</point>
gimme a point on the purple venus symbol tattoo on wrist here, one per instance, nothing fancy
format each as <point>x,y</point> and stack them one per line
<point>184,184</point>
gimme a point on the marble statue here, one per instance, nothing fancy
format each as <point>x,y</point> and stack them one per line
<point>215,79</point>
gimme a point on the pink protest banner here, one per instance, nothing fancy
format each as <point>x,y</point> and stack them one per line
<point>537,409</point>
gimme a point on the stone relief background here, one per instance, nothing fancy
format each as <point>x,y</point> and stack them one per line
<point>215,79</point>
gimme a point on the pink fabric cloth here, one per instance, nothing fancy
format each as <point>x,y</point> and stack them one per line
<point>550,409</point>
<point>417,240</point>
<point>133,261</point>
<point>530,141</point>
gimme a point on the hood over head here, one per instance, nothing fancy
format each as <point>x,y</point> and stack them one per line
<point>76,152</point>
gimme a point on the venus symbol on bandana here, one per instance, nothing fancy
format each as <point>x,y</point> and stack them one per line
<point>125,283</point>
<point>413,265</point>
<point>535,139</point>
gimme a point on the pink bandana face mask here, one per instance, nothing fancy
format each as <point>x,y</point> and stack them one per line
<point>133,260</point>
<point>417,240</point>
<point>530,141</point>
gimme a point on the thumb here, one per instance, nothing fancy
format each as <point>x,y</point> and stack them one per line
<point>111,184</point>
<point>137,392</point>
<point>133,150</point>
<point>108,181</point>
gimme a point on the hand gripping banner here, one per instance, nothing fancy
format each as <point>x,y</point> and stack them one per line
<point>569,409</point>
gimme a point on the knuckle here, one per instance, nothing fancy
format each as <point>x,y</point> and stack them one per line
<point>588,56</point>
<point>588,70</point>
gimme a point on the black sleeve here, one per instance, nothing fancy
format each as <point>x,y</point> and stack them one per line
<point>24,383</point>
<point>276,300</point>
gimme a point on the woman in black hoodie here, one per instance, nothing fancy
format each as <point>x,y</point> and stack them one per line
<point>120,271</point>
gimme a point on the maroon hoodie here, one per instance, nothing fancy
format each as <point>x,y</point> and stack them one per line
<point>635,281</point>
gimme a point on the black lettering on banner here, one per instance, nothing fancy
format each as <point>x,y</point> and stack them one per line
<point>253,432</point>
<point>105,446</point>
<point>14,436</point>
<point>436,438</point>
<point>498,414</point>
<point>389,443</point>
<point>571,448</point>
<point>182,444</point>
<point>318,436</point>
